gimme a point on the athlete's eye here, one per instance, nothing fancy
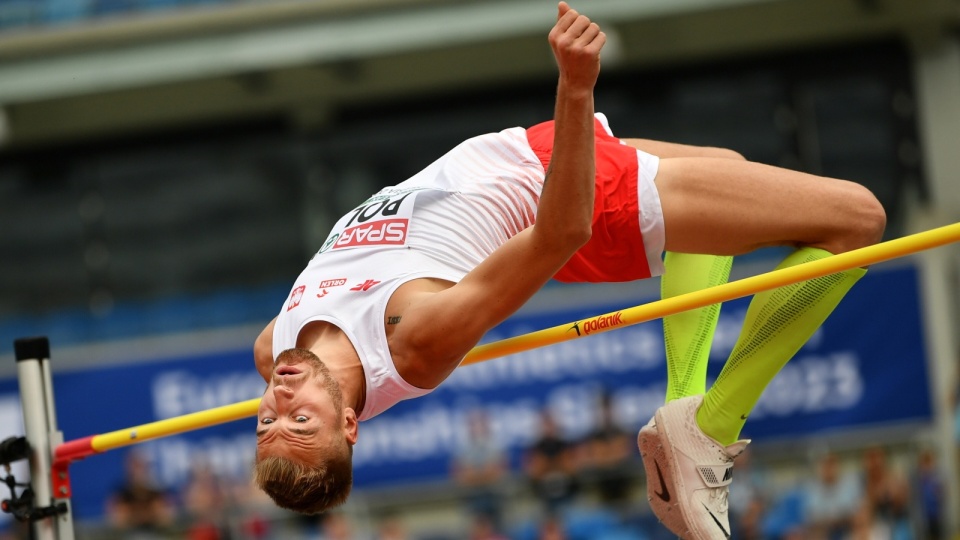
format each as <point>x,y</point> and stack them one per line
<point>301,418</point>
<point>266,421</point>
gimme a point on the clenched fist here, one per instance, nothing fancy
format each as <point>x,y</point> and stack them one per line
<point>576,43</point>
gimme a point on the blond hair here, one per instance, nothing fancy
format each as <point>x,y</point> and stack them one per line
<point>304,488</point>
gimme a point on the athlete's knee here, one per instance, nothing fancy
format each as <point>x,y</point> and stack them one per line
<point>867,218</point>
<point>873,218</point>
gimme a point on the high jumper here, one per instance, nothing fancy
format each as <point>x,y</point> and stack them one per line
<point>408,282</point>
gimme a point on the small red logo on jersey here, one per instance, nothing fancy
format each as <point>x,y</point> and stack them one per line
<point>365,286</point>
<point>295,297</point>
<point>330,283</point>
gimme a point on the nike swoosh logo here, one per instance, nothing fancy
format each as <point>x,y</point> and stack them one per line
<point>665,496</point>
<point>717,521</point>
<point>743,417</point>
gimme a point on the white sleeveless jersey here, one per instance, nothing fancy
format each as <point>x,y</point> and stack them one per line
<point>441,223</point>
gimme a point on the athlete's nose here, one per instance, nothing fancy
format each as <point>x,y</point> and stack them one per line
<point>281,391</point>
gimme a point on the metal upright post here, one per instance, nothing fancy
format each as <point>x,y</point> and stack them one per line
<point>60,477</point>
<point>39,419</point>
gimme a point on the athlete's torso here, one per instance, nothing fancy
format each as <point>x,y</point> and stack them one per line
<point>441,223</point>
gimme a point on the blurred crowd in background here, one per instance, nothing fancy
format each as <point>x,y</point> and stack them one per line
<point>587,489</point>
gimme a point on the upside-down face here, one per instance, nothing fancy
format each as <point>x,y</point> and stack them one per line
<point>301,413</point>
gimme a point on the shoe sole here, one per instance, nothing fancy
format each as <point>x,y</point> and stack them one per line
<point>654,452</point>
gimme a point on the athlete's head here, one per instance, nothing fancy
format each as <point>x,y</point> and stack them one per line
<point>305,436</point>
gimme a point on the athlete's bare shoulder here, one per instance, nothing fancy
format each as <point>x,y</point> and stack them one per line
<point>415,368</point>
<point>409,293</point>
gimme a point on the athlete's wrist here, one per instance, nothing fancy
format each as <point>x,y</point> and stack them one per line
<point>574,90</point>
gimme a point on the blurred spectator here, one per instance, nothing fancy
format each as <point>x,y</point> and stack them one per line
<point>480,465</point>
<point>605,456</point>
<point>336,526</point>
<point>886,506</point>
<point>831,501</point>
<point>552,529</point>
<point>391,528</point>
<point>550,465</point>
<point>204,505</point>
<point>747,498</point>
<point>784,517</point>
<point>254,511</point>
<point>138,507</point>
<point>483,528</point>
<point>930,489</point>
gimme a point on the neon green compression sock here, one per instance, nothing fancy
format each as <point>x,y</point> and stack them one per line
<point>688,335</point>
<point>777,324</point>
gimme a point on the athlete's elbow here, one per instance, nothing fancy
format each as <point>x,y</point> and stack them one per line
<point>574,237</point>
<point>581,235</point>
<point>561,236</point>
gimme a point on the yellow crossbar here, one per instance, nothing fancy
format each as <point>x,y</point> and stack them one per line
<point>172,426</point>
<point>602,323</point>
<point>866,256</point>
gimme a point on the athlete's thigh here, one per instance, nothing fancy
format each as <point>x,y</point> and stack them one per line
<point>729,207</point>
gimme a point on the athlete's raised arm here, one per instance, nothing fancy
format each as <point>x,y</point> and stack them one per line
<point>455,319</point>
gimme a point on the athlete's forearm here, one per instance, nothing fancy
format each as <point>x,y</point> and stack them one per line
<point>565,212</point>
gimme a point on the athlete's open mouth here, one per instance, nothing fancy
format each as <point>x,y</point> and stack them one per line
<point>288,370</point>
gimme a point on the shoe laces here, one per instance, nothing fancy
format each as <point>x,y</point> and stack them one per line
<point>719,496</point>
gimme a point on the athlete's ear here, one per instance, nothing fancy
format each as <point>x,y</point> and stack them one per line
<point>350,425</point>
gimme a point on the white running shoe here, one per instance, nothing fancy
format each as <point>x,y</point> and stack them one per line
<point>688,473</point>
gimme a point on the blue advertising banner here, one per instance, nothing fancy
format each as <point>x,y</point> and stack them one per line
<point>852,373</point>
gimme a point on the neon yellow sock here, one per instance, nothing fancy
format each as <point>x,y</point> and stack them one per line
<point>777,324</point>
<point>688,335</point>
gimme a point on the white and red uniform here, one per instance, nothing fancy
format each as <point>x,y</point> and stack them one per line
<point>446,219</point>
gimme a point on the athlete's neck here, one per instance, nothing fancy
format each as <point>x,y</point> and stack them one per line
<point>333,347</point>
